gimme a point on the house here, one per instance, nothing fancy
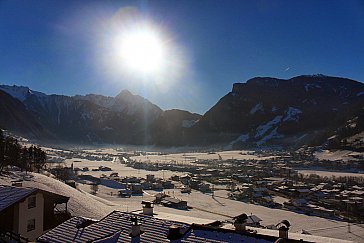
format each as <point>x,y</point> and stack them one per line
<point>168,184</point>
<point>174,203</point>
<point>125,193</point>
<point>204,187</point>
<point>298,202</point>
<point>132,227</point>
<point>150,177</point>
<point>28,212</point>
<point>136,189</point>
<point>301,192</point>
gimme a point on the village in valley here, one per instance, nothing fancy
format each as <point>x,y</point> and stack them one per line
<point>282,180</point>
<point>309,188</point>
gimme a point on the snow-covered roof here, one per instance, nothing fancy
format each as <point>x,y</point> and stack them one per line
<point>117,226</point>
<point>155,230</point>
<point>10,195</point>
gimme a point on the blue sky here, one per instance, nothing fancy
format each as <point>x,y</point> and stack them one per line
<point>57,46</point>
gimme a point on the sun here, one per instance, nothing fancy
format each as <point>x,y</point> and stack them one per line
<point>141,50</point>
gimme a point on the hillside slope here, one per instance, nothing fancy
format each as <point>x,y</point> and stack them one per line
<point>80,203</point>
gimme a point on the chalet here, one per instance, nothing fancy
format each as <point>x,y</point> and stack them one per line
<point>28,212</point>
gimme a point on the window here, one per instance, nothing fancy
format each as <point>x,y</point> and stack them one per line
<point>31,225</point>
<point>32,202</point>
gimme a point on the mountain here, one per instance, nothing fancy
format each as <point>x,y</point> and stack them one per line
<point>270,111</point>
<point>173,126</point>
<point>263,111</point>
<point>124,119</point>
<point>15,117</point>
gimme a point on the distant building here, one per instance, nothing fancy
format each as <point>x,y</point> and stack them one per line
<point>174,203</point>
<point>28,212</point>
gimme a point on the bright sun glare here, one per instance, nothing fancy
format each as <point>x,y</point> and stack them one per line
<point>141,50</point>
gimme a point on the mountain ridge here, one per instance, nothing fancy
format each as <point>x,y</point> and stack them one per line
<point>306,109</point>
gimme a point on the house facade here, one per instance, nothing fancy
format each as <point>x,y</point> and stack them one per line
<point>28,212</point>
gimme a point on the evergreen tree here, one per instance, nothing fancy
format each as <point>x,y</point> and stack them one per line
<point>12,153</point>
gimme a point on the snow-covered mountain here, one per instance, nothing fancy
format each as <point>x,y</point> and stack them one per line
<point>263,111</point>
<point>20,92</point>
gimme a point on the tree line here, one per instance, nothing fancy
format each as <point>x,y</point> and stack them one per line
<point>26,158</point>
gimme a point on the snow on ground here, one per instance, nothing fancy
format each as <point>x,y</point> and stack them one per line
<point>360,93</point>
<point>186,158</point>
<point>256,108</point>
<point>242,138</point>
<point>312,86</point>
<point>280,200</point>
<point>220,208</point>
<point>116,166</point>
<point>80,203</point>
<point>292,114</point>
<point>273,134</point>
<point>344,155</point>
<point>262,129</point>
<point>329,173</point>
<point>204,206</point>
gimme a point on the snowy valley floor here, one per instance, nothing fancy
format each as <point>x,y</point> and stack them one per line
<point>204,206</point>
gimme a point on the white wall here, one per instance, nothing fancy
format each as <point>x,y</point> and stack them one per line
<point>26,214</point>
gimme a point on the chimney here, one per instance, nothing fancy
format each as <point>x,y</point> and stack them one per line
<point>240,222</point>
<point>283,228</point>
<point>17,184</point>
<point>147,208</point>
<point>135,227</point>
<point>174,233</point>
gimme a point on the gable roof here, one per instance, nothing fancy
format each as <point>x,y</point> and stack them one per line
<point>10,195</point>
<point>116,227</point>
<point>116,223</point>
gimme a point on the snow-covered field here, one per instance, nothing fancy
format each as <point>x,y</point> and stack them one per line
<point>115,166</point>
<point>344,155</point>
<point>186,158</point>
<point>323,173</point>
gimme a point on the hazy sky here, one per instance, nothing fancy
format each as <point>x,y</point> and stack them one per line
<point>62,46</point>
